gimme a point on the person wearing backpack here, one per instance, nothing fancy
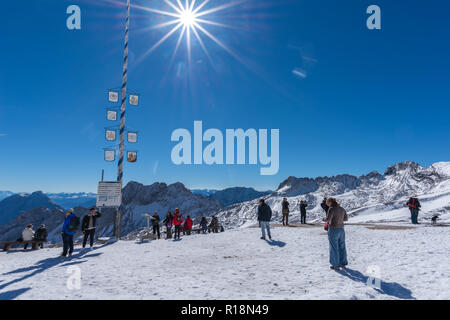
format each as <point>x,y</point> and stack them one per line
<point>89,225</point>
<point>71,223</point>
<point>204,225</point>
<point>414,207</point>
<point>177,222</point>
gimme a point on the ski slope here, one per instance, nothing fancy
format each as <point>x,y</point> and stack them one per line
<point>412,264</point>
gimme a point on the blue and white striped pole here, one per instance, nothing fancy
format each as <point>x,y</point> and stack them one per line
<point>124,101</point>
<point>122,121</point>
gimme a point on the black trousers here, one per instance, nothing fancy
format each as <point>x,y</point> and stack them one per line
<point>67,243</point>
<point>89,234</point>
<point>177,231</point>
<point>156,231</point>
<point>303,218</point>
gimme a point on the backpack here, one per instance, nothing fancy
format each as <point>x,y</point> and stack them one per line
<point>74,224</point>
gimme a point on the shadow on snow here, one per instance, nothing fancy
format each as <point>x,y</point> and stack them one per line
<point>389,288</point>
<point>10,295</point>
<point>49,263</point>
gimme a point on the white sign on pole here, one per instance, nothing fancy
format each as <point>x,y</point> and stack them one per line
<point>132,137</point>
<point>111,115</point>
<point>113,96</point>
<point>109,194</point>
<point>110,155</point>
<point>134,99</point>
<point>110,135</point>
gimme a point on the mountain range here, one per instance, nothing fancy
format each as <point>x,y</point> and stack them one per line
<point>230,196</point>
<point>371,197</point>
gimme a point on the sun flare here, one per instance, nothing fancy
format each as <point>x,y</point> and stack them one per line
<point>189,20</point>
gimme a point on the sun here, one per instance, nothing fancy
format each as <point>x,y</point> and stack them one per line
<point>188,19</point>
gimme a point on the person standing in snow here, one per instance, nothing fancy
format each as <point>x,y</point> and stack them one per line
<point>89,225</point>
<point>303,206</point>
<point>188,225</point>
<point>41,235</point>
<point>204,225</point>
<point>324,205</point>
<point>67,233</point>
<point>336,236</point>
<point>414,207</point>
<point>155,224</point>
<point>214,225</point>
<point>285,211</point>
<point>168,223</point>
<point>27,234</point>
<point>177,222</point>
<point>264,216</point>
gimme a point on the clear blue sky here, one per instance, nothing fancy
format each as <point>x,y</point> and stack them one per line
<point>369,98</point>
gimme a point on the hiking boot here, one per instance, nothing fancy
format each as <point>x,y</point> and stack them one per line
<point>335,268</point>
<point>263,238</point>
<point>270,237</point>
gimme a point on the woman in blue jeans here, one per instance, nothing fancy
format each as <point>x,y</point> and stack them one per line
<point>336,216</point>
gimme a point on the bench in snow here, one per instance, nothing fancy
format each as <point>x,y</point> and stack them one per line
<point>7,244</point>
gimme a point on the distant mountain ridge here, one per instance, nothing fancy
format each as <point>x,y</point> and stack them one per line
<point>137,200</point>
<point>371,197</point>
<point>233,195</point>
<point>10,207</point>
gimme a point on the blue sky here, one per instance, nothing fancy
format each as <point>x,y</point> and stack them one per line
<point>370,98</point>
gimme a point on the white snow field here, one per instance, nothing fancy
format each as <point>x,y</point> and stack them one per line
<point>411,264</point>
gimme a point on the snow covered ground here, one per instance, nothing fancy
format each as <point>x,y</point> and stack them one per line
<point>411,263</point>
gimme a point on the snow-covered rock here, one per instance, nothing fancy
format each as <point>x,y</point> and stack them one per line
<point>365,197</point>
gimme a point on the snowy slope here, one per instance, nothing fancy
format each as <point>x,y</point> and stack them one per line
<point>236,264</point>
<point>371,197</point>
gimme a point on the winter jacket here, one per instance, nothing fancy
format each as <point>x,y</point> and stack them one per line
<point>41,234</point>
<point>336,217</point>
<point>204,223</point>
<point>214,222</point>
<point>155,220</point>
<point>168,221</point>
<point>27,234</point>
<point>85,222</point>
<point>66,224</point>
<point>413,203</point>
<point>188,224</point>
<point>264,212</point>
<point>285,206</point>
<point>324,206</point>
<point>177,219</point>
<point>303,208</point>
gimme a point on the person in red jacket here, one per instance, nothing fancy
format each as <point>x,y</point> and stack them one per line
<point>177,222</point>
<point>188,225</point>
